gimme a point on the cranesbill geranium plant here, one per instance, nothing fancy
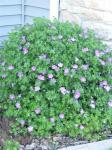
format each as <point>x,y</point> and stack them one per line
<point>56,78</point>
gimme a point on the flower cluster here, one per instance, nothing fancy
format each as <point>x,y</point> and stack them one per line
<point>105,85</point>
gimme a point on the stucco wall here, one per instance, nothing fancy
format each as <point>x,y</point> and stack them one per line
<point>96,14</point>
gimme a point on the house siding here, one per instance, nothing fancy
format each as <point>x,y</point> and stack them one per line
<point>11,14</point>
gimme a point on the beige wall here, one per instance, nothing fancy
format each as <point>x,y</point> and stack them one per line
<point>96,14</point>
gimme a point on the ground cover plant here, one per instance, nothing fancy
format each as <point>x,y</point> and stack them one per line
<point>10,145</point>
<point>56,78</point>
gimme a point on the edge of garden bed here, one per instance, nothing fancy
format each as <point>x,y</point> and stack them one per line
<point>101,145</point>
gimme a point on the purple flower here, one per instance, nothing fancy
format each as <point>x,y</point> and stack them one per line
<point>110,103</point>
<point>102,53</point>
<point>30,129</point>
<point>63,90</point>
<point>41,77</point>
<point>52,120</point>
<point>85,49</point>
<point>77,94</point>
<point>97,53</point>
<point>67,91</point>
<point>103,83</point>
<point>25,50</point>
<point>37,88</point>
<point>107,88</point>
<point>85,67</point>
<point>4,76</point>
<point>75,66</point>
<point>22,122</point>
<point>11,96</point>
<point>66,71</point>
<point>83,79</point>
<point>11,67</point>
<point>109,60</point>
<point>37,111</point>
<point>20,74</point>
<point>50,76</point>
<point>107,50</point>
<point>33,68</point>
<point>81,127</point>
<point>23,37</point>
<point>61,116</point>
<point>18,106</point>
<point>54,67</point>
<point>102,62</point>
<point>60,65</point>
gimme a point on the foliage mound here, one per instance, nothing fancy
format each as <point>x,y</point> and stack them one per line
<point>56,78</point>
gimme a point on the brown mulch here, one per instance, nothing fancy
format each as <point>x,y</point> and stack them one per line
<point>5,134</point>
<point>4,129</point>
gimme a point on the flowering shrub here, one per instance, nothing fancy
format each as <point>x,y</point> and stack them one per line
<point>56,78</point>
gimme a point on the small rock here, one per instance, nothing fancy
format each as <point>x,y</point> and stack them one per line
<point>30,147</point>
<point>44,147</point>
<point>57,138</point>
<point>37,141</point>
<point>21,147</point>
